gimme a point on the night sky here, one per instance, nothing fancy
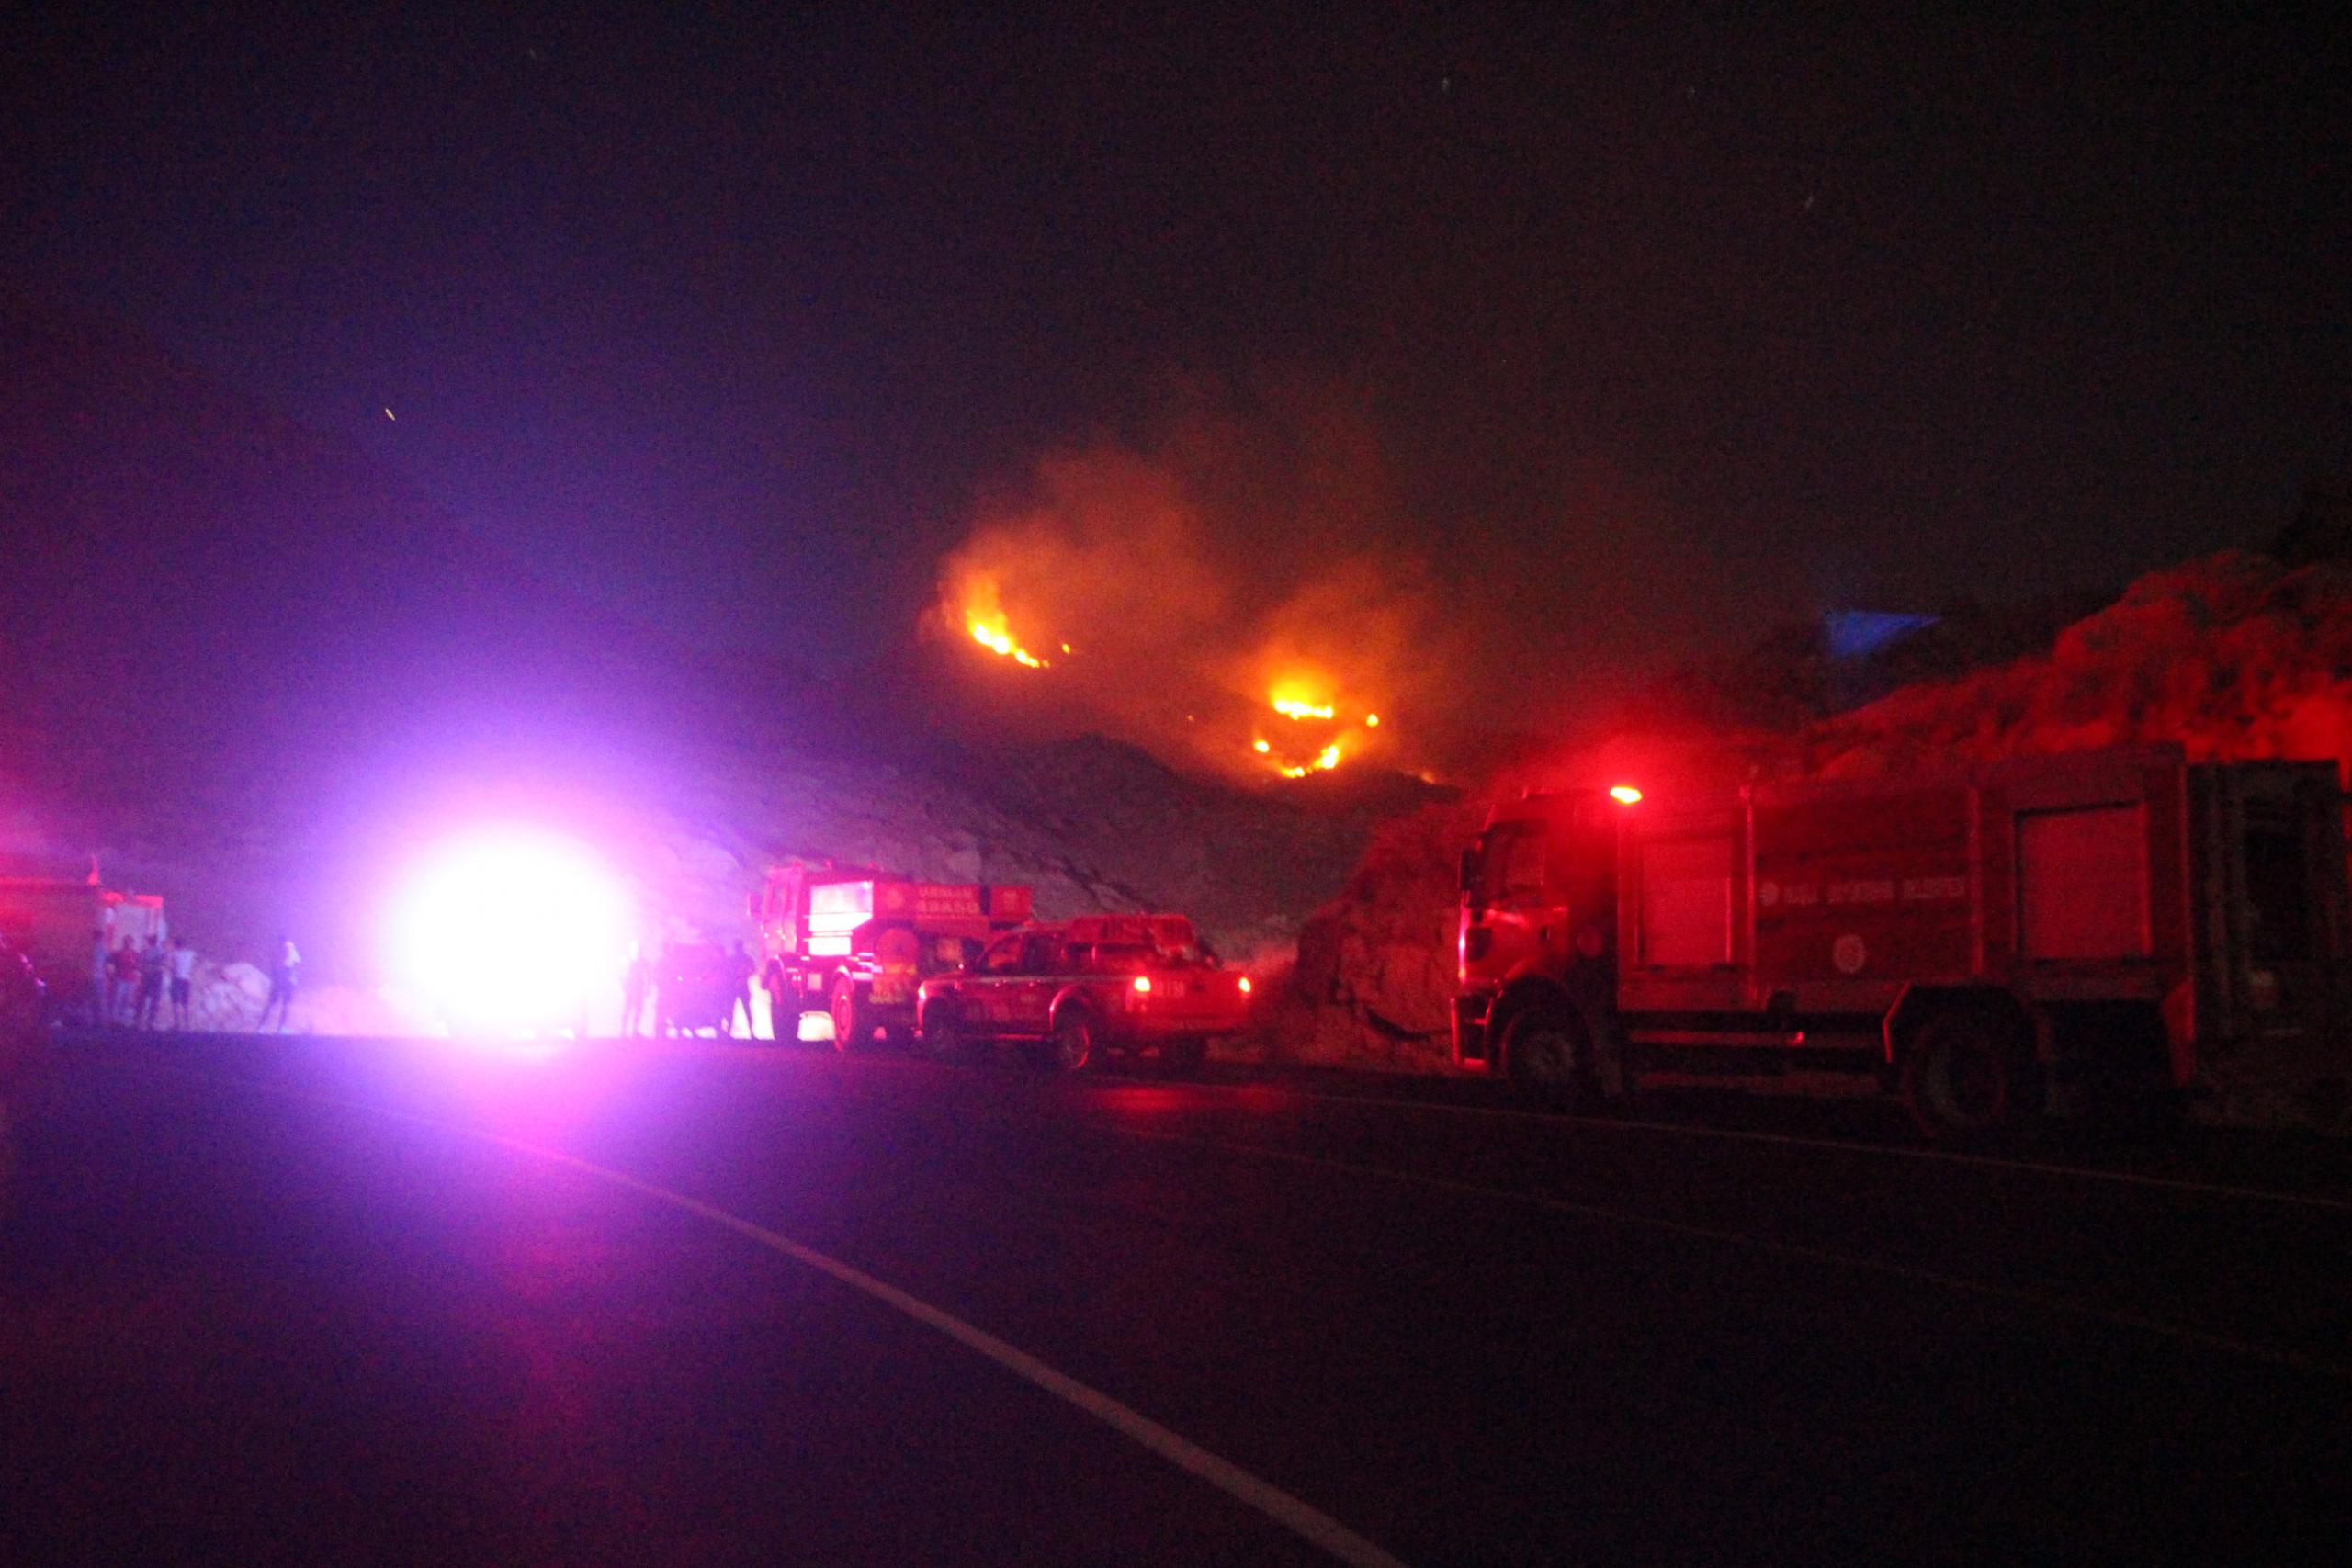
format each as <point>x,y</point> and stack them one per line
<point>1653,324</point>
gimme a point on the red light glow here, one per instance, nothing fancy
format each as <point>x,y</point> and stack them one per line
<point>1625,794</point>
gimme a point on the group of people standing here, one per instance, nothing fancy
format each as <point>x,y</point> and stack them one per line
<point>129,983</point>
<point>692,986</point>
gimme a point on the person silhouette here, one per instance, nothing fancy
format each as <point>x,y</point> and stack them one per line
<point>285,976</point>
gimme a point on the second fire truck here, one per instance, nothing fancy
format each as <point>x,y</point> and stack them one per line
<point>856,941</point>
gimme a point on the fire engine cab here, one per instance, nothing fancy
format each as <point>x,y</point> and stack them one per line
<point>855,941</point>
<point>1975,939</point>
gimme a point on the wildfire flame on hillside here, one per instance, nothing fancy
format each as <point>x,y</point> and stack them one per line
<point>1194,639</point>
<point>984,617</point>
<point>1319,736</point>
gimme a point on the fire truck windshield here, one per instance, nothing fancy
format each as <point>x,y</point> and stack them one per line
<point>1510,861</point>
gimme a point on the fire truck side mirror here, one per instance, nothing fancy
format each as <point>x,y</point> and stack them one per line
<point>751,905</point>
<point>1469,869</point>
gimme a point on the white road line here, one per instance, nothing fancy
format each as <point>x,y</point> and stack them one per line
<point>1838,1146</point>
<point>2010,1294</point>
<point>1301,1518</point>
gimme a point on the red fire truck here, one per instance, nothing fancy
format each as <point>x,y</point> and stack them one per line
<point>855,941</point>
<point>50,919</point>
<point>1975,941</point>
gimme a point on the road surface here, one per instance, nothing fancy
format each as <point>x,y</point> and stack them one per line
<point>310,1301</point>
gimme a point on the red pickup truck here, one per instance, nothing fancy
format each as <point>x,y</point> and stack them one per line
<point>1077,991</point>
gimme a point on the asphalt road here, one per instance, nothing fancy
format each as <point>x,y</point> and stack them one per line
<point>403,1302</point>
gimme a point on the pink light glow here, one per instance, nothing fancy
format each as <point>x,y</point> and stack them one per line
<point>510,930</point>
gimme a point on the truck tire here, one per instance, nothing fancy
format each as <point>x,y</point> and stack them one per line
<point>853,1023</point>
<point>1968,1073</point>
<point>1547,1054</point>
<point>1071,1047</point>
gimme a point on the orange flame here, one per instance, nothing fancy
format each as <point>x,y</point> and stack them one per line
<point>992,635</point>
<point>1302,695</point>
<point>1325,761</point>
<point>1305,697</point>
<point>984,617</point>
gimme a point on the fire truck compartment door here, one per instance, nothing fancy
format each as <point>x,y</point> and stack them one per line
<point>2082,883</point>
<point>1686,910</point>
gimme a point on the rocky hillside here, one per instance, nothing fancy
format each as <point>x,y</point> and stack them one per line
<point>2236,656</point>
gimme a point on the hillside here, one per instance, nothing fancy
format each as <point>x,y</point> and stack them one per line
<point>252,669</point>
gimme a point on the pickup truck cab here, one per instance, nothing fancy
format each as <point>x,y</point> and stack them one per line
<point>1076,992</point>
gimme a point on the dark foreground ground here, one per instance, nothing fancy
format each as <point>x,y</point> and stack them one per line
<point>265,1302</point>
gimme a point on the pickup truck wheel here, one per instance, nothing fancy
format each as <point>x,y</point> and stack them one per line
<point>853,1025</point>
<point>1968,1075</point>
<point>1546,1055</point>
<point>1071,1046</point>
<point>945,1039</point>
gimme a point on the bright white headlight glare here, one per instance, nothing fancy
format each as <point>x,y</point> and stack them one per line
<point>511,930</point>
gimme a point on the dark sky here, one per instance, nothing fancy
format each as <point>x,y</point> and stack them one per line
<point>733,311</point>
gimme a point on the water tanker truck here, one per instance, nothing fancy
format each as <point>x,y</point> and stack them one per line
<point>1984,942</point>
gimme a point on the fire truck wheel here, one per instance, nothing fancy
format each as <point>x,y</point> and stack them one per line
<point>1071,1046</point>
<point>1967,1074</point>
<point>1544,1051</point>
<point>853,1025</point>
<point>1183,1058</point>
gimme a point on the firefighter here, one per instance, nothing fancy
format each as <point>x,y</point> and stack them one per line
<point>667,985</point>
<point>183,982</point>
<point>636,981</point>
<point>153,962</point>
<point>284,976</point>
<point>123,969</point>
<point>101,977</point>
<point>744,971</point>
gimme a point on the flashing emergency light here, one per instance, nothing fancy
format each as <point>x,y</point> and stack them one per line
<point>1625,794</point>
<point>1245,985</point>
<point>1143,984</point>
<point>510,930</point>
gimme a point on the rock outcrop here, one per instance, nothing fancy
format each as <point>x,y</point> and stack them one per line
<point>1373,980</point>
